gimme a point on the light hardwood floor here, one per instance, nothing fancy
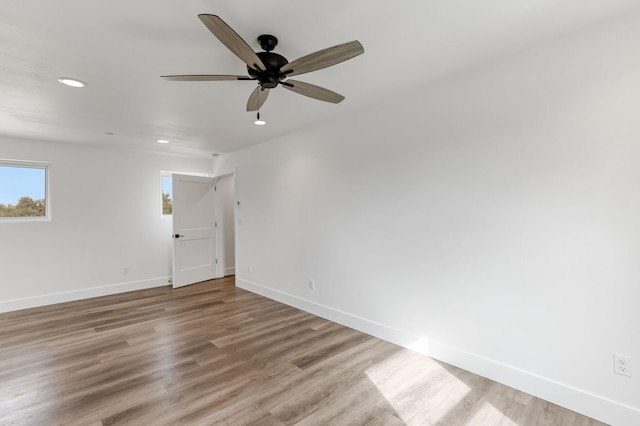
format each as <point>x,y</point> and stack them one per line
<point>215,354</point>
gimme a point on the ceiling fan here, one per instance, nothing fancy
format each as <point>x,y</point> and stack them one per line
<point>271,69</point>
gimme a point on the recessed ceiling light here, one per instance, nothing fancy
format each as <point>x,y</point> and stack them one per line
<point>163,141</point>
<point>72,82</point>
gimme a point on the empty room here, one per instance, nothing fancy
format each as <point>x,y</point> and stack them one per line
<point>320,213</point>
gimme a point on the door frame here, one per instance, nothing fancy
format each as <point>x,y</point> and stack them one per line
<point>220,234</point>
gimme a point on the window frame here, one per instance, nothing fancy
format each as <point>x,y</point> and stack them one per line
<point>47,189</point>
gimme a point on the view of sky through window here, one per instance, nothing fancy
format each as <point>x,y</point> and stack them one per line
<point>167,186</point>
<point>167,195</point>
<point>18,182</point>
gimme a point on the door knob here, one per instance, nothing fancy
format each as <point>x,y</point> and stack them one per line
<point>178,236</point>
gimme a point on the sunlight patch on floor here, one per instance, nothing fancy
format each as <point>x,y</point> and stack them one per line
<point>417,387</point>
<point>488,414</point>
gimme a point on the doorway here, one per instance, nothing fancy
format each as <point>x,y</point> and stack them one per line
<point>203,228</point>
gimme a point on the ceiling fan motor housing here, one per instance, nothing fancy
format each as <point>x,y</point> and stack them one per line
<point>269,78</point>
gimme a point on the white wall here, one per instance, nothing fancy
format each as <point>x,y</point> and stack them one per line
<point>490,220</point>
<point>106,214</point>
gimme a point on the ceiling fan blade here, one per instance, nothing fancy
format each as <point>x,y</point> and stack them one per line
<point>323,58</point>
<point>232,40</point>
<point>257,99</point>
<point>204,77</point>
<point>312,91</point>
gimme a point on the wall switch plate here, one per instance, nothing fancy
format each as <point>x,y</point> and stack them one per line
<point>125,270</point>
<point>312,284</point>
<point>622,364</point>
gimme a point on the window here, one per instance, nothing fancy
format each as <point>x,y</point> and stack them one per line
<point>23,191</point>
<point>167,194</point>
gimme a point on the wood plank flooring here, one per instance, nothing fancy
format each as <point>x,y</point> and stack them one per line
<point>213,354</point>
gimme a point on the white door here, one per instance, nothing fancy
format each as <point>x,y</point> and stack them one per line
<point>194,229</point>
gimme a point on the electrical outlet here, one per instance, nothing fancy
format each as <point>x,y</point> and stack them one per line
<point>312,284</point>
<point>125,270</point>
<point>622,364</point>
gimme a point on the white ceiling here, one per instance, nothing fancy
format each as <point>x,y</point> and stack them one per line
<point>121,47</point>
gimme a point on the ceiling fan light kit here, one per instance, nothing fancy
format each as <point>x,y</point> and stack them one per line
<point>258,121</point>
<point>270,69</point>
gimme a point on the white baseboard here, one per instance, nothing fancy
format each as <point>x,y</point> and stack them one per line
<point>575,399</point>
<point>229,271</point>
<point>86,293</point>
